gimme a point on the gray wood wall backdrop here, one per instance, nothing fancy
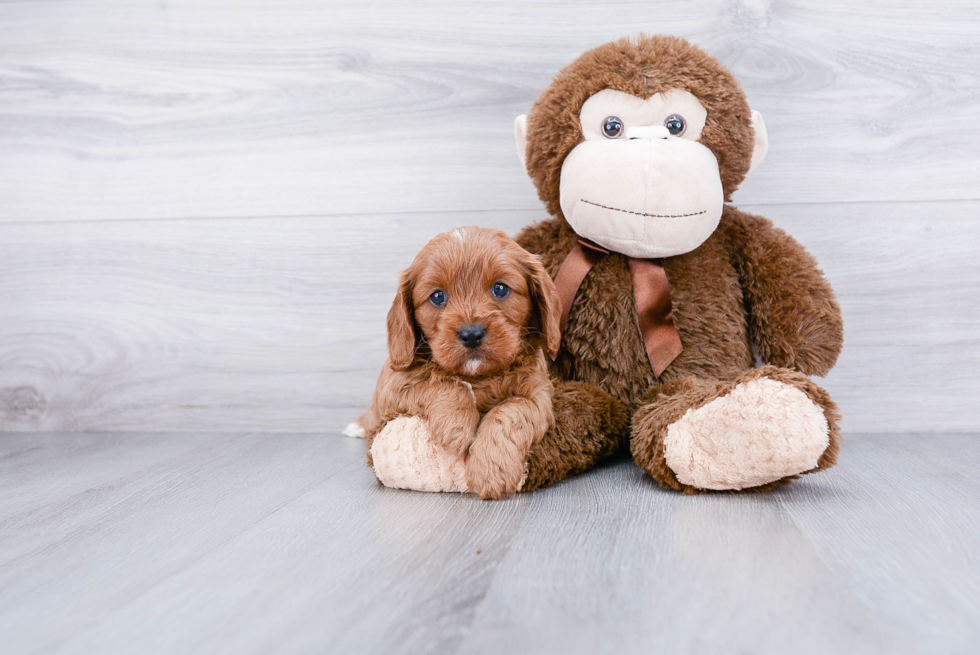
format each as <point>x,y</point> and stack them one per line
<point>203,205</point>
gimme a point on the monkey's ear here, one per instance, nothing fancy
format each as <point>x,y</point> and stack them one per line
<point>520,136</point>
<point>546,306</point>
<point>761,145</point>
<point>402,337</point>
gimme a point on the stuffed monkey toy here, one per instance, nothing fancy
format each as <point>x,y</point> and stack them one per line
<point>635,148</point>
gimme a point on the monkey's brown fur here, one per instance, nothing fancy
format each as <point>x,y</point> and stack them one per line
<point>748,284</point>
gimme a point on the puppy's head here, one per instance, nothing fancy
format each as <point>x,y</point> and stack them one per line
<point>472,300</point>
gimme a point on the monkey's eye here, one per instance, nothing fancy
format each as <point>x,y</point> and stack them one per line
<point>612,127</point>
<point>500,290</point>
<point>675,124</point>
<point>438,298</point>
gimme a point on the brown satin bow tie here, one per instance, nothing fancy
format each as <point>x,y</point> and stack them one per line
<point>650,288</point>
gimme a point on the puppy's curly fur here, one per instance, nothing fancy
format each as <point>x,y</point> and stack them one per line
<point>490,402</point>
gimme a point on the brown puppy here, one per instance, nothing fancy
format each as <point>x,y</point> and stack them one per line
<point>466,338</point>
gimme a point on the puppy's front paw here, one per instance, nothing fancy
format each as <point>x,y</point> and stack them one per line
<point>491,475</point>
<point>454,431</point>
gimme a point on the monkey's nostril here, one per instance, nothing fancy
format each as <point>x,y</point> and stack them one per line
<point>471,335</point>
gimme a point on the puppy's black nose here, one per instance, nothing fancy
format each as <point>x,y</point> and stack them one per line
<point>471,335</point>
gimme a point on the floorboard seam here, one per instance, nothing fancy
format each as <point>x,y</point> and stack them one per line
<point>459,210</point>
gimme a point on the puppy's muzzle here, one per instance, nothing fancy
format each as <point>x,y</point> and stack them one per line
<point>471,336</point>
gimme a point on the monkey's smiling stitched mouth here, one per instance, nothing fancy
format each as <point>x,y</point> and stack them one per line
<point>626,211</point>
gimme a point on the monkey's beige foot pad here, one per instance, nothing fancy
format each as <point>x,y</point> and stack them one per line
<point>761,431</point>
<point>405,457</point>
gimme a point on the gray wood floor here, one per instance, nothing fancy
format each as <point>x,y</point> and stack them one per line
<point>203,206</point>
<point>283,543</point>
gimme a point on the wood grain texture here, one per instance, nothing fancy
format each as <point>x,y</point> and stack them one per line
<point>628,567</point>
<point>116,110</point>
<point>264,324</point>
<point>203,205</point>
<point>173,512</point>
<point>913,511</point>
<point>197,543</point>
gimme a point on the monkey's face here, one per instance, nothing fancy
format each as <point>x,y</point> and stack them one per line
<point>639,143</point>
<point>641,183</point>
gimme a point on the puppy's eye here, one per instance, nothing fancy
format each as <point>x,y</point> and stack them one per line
<point>438,298</point>
<point>612,127</point>
<point>675,124</point>
<point>500,290</point>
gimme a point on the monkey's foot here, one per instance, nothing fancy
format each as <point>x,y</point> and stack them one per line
<point>405,457</point>
<point>755,432</point>
<point>760,432</point>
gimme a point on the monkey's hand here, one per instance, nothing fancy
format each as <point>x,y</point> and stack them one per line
<point>794,319</point>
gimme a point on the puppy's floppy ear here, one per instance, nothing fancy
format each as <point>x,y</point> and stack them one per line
<point>546,306</point>
<point>402,333</point>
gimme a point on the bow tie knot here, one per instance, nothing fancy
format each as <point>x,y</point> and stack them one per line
<point>651,290</point>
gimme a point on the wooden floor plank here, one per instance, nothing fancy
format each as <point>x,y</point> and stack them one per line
<point>265,324</point>
<point>217,109</point>
<point>150,527</point>
<point>350,567</point>
<point>899,524</point>
<point>613,564</point>
<point>285,544</point>
<point>74,477</point>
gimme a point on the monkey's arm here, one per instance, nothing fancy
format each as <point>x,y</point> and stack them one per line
<point>794,319</point>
